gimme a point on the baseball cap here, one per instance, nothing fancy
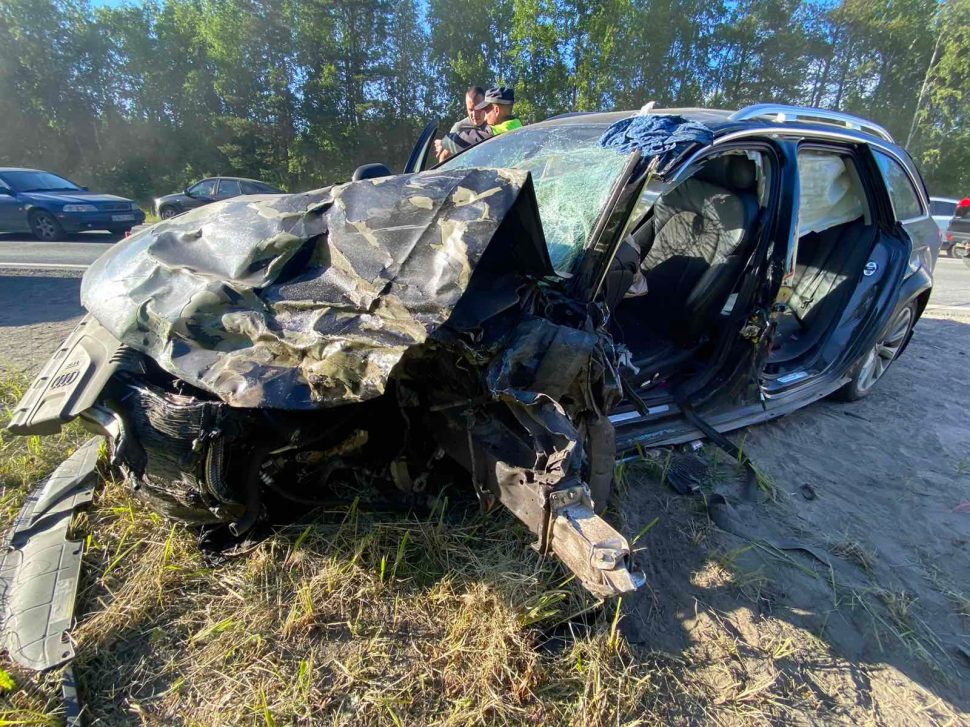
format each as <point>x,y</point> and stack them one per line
<point>497,94</point>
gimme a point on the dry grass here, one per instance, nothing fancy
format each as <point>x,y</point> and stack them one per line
<point>351,619</point>
<point>356,618</point>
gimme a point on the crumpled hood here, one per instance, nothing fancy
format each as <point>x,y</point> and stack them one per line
<point>310,300</point>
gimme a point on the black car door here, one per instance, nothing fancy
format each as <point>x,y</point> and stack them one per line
<point>420,156</point>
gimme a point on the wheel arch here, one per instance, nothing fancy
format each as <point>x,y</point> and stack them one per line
<point>33,208</point>
<point>921,300</point>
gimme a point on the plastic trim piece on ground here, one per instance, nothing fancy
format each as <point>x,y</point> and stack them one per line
<point>41,566</point>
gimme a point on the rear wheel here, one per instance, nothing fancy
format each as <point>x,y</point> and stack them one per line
<point>45,227</point>
<point>880,356</point>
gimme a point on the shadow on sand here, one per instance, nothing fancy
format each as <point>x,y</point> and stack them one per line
<point>847,578</point>
<point>31,299</point>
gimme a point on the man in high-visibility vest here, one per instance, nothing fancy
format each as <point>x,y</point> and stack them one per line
<point>497,105</point>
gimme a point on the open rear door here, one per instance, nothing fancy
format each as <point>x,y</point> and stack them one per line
<point>419,155</point>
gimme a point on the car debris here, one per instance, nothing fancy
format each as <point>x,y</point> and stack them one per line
<point>40,567</point>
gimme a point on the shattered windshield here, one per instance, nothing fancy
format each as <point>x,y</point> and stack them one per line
<point>573,177</point>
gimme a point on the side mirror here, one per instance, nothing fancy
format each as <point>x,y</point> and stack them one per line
<point>187,193</point>
<point>85,189</point>
<point>8,192</point>
<point>370,171</point>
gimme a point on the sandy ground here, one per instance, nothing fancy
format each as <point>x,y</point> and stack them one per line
<point>847,583</point>
<point>856,569</point>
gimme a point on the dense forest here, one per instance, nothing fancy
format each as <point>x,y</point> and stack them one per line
<point>142,98</point>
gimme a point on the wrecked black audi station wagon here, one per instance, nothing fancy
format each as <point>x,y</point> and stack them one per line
<point>520,314</point>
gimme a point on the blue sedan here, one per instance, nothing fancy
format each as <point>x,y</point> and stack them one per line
<point>50,206</point>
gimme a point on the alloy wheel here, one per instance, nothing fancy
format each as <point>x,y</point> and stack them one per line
<point>886,350</point>
<point>167,213</point>
<point>45,227</point>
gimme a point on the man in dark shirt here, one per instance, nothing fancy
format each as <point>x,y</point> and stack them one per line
<point>467,132</point>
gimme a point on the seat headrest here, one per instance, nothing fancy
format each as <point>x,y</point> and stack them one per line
<point>734,172</point>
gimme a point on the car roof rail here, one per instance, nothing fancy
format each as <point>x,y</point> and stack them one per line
<point>783,113</point>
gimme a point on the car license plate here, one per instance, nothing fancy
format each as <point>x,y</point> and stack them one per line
<point>122,218</point>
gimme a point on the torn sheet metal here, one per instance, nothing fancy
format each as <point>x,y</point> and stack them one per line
<point>40,567</point>
<point>308,300</point>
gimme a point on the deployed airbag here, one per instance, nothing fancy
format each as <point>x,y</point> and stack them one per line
<point>829,195</point>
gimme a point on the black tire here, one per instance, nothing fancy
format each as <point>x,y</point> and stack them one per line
<point>874,364</point>
<point>167,212</point>
<point>45,227</point>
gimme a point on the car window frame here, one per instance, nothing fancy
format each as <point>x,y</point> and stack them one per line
<point>871,143</point>
<point>680,173</point>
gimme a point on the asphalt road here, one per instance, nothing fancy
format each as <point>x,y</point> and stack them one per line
<point>950,292</point>
<point>951,286</point>
<point>75,254</point>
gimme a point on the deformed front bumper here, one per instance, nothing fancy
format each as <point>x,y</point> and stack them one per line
<point>41,565</point>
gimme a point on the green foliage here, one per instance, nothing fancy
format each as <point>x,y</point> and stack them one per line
<point>142,99</point>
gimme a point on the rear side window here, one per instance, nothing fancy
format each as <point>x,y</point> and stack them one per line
<point>229,187</point>
<point>942,208</point>
<point>906,202</point>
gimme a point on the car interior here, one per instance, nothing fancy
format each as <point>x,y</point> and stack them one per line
<point>836,237</point>
<point>674,282</point>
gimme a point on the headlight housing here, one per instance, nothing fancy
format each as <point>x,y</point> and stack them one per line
<point>79,208</point>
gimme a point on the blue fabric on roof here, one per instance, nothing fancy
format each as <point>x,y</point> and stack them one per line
<point>654,134</point>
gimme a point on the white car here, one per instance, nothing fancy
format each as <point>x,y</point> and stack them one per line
<point>942,209</point>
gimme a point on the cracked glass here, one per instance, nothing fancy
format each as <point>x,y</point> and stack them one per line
<point>572,173</point>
